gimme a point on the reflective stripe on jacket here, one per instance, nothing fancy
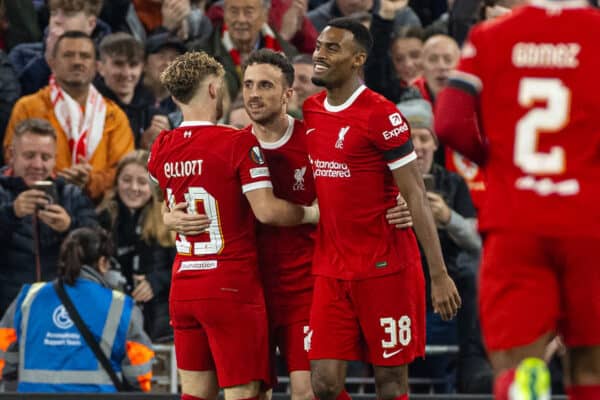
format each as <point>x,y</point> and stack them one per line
<point>52,354</point>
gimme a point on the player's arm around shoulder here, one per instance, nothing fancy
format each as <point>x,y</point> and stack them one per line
<point>271,210</point>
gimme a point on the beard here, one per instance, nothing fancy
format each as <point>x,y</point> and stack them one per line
<point>266,119</point>
<point>318,81</point>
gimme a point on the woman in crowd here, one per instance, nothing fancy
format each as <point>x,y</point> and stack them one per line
<point>43,348</point>
<point>144,246</point>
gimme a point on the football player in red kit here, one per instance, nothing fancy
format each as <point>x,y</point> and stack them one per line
<point>369,294</point>
<point>528,77</point>
<point>216,292</point>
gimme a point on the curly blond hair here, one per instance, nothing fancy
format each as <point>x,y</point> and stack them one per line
<point>185,74</point>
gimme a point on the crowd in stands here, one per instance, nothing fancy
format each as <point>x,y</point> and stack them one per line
<point>81,103</point>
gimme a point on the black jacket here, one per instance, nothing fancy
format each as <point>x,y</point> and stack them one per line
<point>17,263</point>
<point>136,256</point>
<point>139,112</point>
<point>10,90</point>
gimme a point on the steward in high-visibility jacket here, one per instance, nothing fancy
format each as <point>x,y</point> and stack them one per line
<point>44,350</point>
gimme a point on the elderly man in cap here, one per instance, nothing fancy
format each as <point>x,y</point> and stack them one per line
<point>455,217</point>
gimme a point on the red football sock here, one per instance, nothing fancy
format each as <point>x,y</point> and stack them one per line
<point>502,384</point>
<point>343,395</point>
<point>190,397</point>
<point>577,392</point>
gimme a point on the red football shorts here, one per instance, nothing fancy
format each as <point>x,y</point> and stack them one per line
<point>289,332</point>
<point>379,320</point>
<point>228,337</point>
<point>531,285</point>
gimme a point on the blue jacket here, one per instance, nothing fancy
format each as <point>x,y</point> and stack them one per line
<point>52,356</point>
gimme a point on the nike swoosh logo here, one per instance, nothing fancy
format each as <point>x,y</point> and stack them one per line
<point>392,354</point>
<point>310,130</point>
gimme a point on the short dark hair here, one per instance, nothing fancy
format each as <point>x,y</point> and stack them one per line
<point>302,58</point>
<point>122,44</point>
<point>89,7</point>
<point>409,32</point>
<point>36,126</point>
<point>276,59</point>
<point>72,35</point>
<point>361,34</point>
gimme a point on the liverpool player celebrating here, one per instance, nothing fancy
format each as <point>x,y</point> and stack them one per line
<point>532,92</point>
<point>216,291</point>
<point>368,298</point>
<point>285,254</point>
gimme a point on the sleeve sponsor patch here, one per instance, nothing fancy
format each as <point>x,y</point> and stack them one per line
<point>259,172</point>
<point>395,119</point>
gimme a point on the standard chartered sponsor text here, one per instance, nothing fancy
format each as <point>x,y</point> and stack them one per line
<point>331,169</point>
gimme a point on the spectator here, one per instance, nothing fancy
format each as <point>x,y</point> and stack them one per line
<point>32,60</point>
<point>144,247</point>
<point>161,49</point>
<point>287,17</point>
<point>90,143</point>
<point>120,69</point>
<point>10,90</point>
<point>303,85</point>
<point>238,117</point>
<point>392,64</point>
<point>22,25</point>
<point>455,217</point>
<point>440,56</point>
<point>244,29</point>
<point>182,18</point>
<point>321,15</point>
<point>39,334</point>
<point>28,221</point>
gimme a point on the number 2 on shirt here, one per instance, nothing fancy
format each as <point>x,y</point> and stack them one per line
<point>194,197</point>
<point>549,119</point>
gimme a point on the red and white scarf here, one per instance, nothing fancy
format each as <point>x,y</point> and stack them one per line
<point>270,42</point>
<point>84,131</point>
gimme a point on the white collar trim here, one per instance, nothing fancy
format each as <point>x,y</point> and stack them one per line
<point>282,140</point>
<point>345,104</point>
<point>187,124</point>
<point>559,4</point>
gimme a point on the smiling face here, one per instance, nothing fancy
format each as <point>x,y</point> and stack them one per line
<point>265,92</point>
<point>33,157</point>
<point>244,20</point>
<point>406,56</point>
<point>334,58</point>
<point>133,187</point>
<point>120,74</point>
<point>440,56</point>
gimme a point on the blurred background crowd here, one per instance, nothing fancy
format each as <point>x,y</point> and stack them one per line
<point>84,113</point>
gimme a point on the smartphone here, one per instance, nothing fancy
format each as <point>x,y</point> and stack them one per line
<point>429,181</point>
<point>48,188</point>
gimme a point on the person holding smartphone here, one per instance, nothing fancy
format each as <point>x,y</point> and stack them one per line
<point>31,217</point>
<point>455,217</point>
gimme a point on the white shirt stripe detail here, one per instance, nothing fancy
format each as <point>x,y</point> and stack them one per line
<point>256,185</point>
<point>186,124</point>
<point>401,162</point>
<point>345,104</point>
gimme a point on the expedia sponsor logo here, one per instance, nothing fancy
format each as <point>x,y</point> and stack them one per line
<point>257,156</point>
<point>387,135</point>
<point>330,169</point>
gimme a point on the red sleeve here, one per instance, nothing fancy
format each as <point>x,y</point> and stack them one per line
<point>251,163</point>
<point>390,133</point>
<point>457,106</point>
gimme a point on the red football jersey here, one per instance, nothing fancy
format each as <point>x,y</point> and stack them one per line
<point>285,253</point>
<point>534,71</point>
<point>211,167</point>
<point>352,148</point>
